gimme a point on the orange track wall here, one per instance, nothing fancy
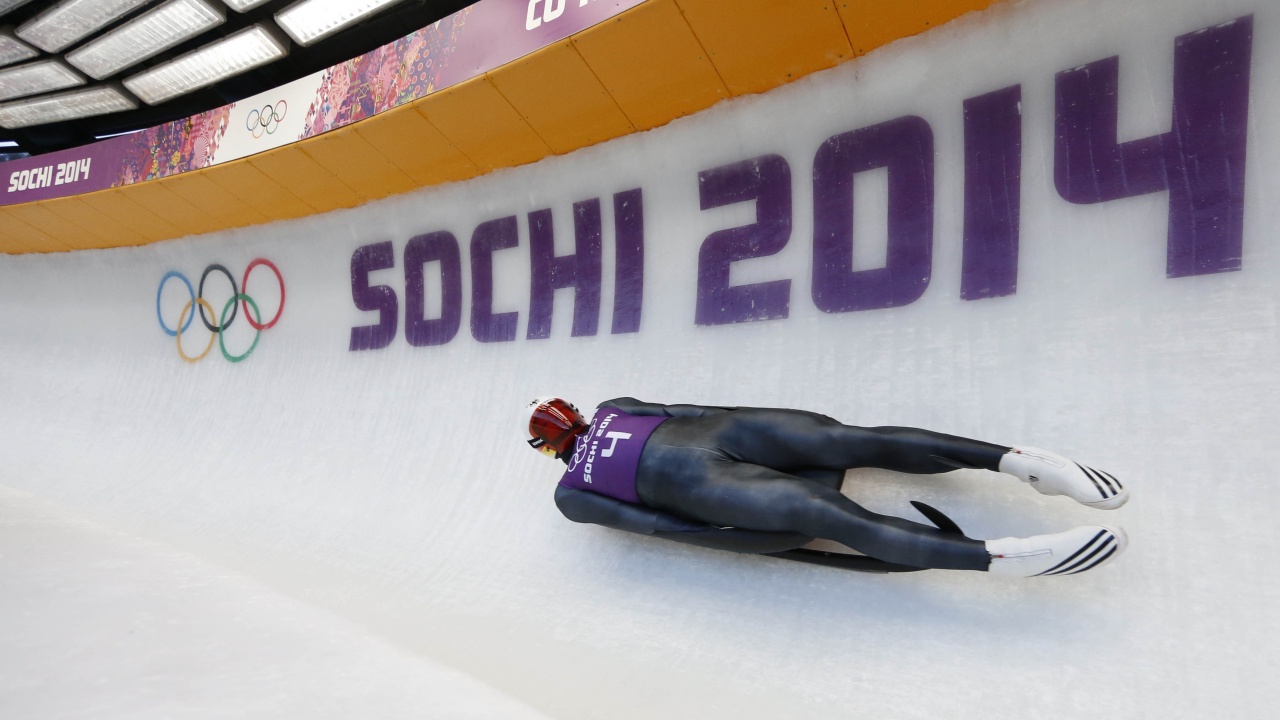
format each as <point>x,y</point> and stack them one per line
<point>659,61</point>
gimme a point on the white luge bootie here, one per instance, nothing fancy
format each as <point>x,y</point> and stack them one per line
<point>1064,553</point>
<point>1052,474</point>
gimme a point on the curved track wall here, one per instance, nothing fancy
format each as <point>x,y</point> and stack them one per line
<point>997,268</point>
<point>654,62</point>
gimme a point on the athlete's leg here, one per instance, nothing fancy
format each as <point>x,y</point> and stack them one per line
<point>734,494</point>
<point>832,478</point>
<point>795,438</point>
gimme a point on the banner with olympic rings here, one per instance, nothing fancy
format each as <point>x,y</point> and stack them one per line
<point>468,43</point>
<point>267,120</point>
<point>197,305</point>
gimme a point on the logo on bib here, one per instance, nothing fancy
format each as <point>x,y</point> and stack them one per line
<point>588,446</point>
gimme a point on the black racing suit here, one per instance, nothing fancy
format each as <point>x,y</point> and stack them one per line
<point>761,480</point>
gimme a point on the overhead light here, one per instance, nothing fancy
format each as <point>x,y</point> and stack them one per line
<point>243,5</point>
<point>71,20</point>
<point>311,20</point>
<point>84,102</point>
<point>12,49</point>
<point>146,35</point>
<point>35,78</point>
<point>232,55</point>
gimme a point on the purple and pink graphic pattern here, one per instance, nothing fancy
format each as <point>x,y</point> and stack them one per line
<point>423,62</point>
<point>173,148</point>
<point>394,74</point>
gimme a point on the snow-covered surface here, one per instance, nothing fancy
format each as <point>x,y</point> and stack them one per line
<point>146,631</point>
<point>384,498</point>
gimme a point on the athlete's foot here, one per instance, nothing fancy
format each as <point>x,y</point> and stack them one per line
<point>1052,474</point>
<point>1064,553</point>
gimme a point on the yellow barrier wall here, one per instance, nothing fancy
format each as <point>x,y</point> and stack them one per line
<point>657,62</point>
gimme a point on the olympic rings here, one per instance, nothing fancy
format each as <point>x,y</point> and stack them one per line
<point>185,281</point>
<point>197,305</point>
<point>267,120</point>
<point>231,305</point>
<point>203,303</point>
<point>234,291</point>
<point>244,287</point>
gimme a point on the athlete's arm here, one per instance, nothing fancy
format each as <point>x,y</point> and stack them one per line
<point>632,406</point>
<point>585,506</point>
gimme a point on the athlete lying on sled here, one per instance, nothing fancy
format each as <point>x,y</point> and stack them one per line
<point>767,481</point>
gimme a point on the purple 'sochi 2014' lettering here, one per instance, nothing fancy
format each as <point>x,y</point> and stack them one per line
<point>1200,163</point>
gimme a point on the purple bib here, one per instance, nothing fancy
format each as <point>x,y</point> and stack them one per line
<point>607,455</point>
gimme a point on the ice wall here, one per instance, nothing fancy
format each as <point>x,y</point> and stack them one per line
<point>1008,274</point>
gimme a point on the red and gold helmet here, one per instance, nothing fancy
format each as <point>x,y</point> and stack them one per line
<point>554,424</point>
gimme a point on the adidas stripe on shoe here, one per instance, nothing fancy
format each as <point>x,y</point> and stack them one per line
<point>1053,474</point>
<point>1065,553</point>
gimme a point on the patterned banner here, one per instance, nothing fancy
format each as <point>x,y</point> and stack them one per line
<point>466,44</point>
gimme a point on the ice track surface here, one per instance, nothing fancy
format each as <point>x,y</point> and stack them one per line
<point>316,531</point>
